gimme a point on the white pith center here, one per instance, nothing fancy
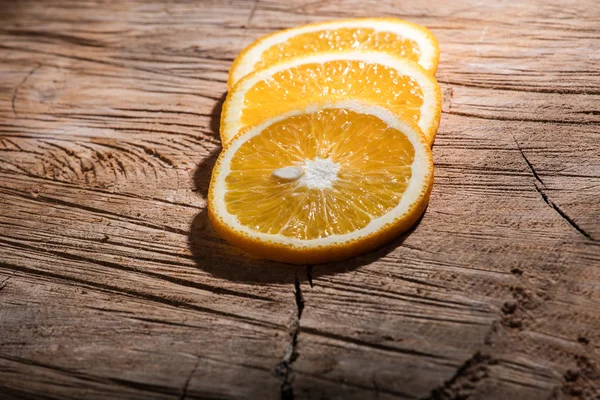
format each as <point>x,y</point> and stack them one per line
<point>319,173</point>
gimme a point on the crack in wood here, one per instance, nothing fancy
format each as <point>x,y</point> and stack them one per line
<point>564,215</point>
<point>514,119</point>
<point>5,281</point>
<point>533,171</point>
<point>46,34</point>
<point>85,377</point>
<point>373,345</point>
<point>547,200</point>
<point>98,190</point>
<point>157,299</point>
<point>284,368</point>
<point>186,385</point>
<point>104,213</point>
<point>155,275</point>
<point>117,65</point>
<point>587,91</point>
<point>14,144</point>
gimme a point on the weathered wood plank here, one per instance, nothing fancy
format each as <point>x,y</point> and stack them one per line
<point>113,284</point>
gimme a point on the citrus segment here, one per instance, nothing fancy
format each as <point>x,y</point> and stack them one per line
<point>321,184</point>
<point>335,79</point>
<point>390,35</point>
<point>398,84</point>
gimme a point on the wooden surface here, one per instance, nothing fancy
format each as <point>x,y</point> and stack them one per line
<point>113,285</point>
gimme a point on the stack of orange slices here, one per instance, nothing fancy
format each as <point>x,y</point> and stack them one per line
<point>327,132</point>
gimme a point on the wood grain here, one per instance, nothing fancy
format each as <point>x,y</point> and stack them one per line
<point>114,285</point>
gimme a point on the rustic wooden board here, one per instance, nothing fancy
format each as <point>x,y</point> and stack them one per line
<point>113,285</point>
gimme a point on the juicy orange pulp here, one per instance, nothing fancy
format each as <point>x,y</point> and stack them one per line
<point>356,168</point>
<point>332,81</point>
<point>340,39</point>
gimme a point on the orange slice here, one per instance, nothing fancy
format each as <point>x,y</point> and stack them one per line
<point>398,84</point>
<point>391,35</point>
<point>321,183</point>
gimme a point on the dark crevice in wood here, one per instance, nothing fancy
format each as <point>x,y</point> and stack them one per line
<point>202,139</point>
<point>465,380</point>
<point>561,175</point>
<point>129,314</point>
<point>526,90</point>
<point>284,367</point>
<point>184,390</point>
<point>22,151</point>
<point>408,297</point>
<point>377,346</point>
<point>138,130</point>
<point>9,224</point>
<point>5,281</point>
<point>45,35</point>
<point>18,167</point>
<point>172,92</point>
<point>136,119</point>
<point>211,79</point>
<point>137,221</point>
<point>120,267</point>
<point>547,200</point>
<point>213,58</point>
<point>124,66</point>
<point>97,190</point>
<point>588,112</point>
<point>13,143</point>
<point>528,163</point>
<point>524,384</point>
<point>11,393</point>
<point>518,366</point>
<point>232,364</point>
<point>420,282</point>
<point>105,239</point>
<point>16,91</point>
<point>145,387</point>
<point>563,214</point>
<point>353,384</point>
<point>95,117</point>
<point>183,65</point>
<point>136,294</point>
<point>160,110</point>
<point>154,320</point>
<point>533,120</point>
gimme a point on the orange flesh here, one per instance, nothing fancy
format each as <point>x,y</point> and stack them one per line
<point>340,39</point>
<point>331,81</point>
<point>374,167</point>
